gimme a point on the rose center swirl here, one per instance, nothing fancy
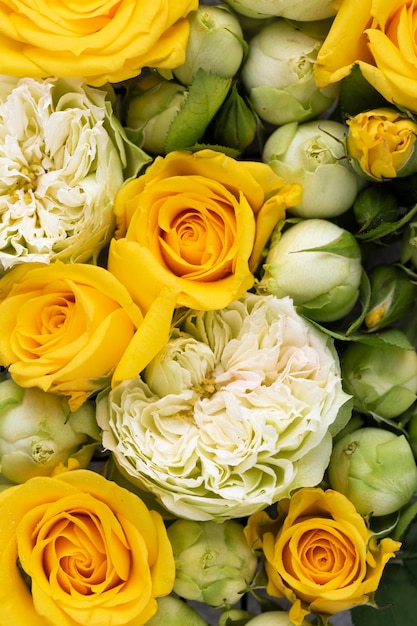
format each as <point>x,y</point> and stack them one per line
<point>77,555</point>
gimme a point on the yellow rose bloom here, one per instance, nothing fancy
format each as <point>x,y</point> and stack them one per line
<point>319,553</point>
<point>99,41</point>
<point>196,224</point>
<point>380,38</point>
<point>65,328</point>
<point>382,142</point>
<point>78,549</point>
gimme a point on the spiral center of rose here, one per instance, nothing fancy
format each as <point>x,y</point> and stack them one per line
<point>322,556</point>
<point>196,245</point>
<point>76,553</point>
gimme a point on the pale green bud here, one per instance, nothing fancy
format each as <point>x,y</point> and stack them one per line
<point>182,364</point>
<point>234,616</point>
<point>381,379</point>
<point>213,30</point>
<point>375,469</point>
<point>291,9</point>
<point>274,618</point>
<point>151,107</point>
<point>39,435</point>
<point>313,155</point>
<point>279,74</point>
<point>317,264</point>
<point>214,563</point>
<point>175,612</point>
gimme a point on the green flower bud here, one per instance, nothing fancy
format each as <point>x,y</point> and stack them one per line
<point>150,108</point>
<point>374,206</point>
<point>182,364</point>
<point>279,74</point>
<point>291,9</point>
<point>317,264</point>
<point>382,380</point>
<point>39,435</point>
<point>312,154</point>
<point>234,616</point>
<point>175,612</point>
<point>213,29</point>
<point>235,124</point>
<point>214,563</point>
<point>375,469</point>
<point>274,618</point>
<point>392,296</point>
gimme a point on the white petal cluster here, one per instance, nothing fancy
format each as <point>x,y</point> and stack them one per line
<point>59,170</point>
<point>242,435</point>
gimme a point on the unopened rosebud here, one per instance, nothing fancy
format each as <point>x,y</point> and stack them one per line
<point>274,618</point>
<point>213,30</point>
<point>375,469</point>
<point>151,107</point>
<point>381,379</point>
<point>313,155</point>
<point>392,296</point>
<point>40,436</point>
<point>234,616</point>
<point>317,264</point>
<point>278,74</point>
<point>214,563</point>
<point>235,124</point>
<point>291,9</point>
<point>175,612</point>
<point>382,144</point>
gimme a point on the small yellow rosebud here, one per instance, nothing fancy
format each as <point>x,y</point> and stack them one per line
<point>381,143</point>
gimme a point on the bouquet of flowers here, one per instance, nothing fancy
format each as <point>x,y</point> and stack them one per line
<point>208,270</point>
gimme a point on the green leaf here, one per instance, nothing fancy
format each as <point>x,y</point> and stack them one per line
<point>396,597</point>
<point>205,96</point>
<point>386,228</point>
<point>357,95</point>
<point>365,293</point>
<point>406,517</point>
<point>344,246</point>
<point>390,337</point>
<point>224,149</point>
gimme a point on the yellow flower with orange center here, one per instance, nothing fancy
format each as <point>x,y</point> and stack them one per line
<point>77,549</point>
<point>196,224</point>
<point>320,554</point>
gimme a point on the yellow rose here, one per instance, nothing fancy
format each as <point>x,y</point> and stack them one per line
<point>382,142</point>
<point>319,553</point>
<point>380,37</point>
<point>65,328</point>
<point>196,223</point>
<point>100,41</point>
<point>78,549</point>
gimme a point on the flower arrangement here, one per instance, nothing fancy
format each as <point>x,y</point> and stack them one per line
<point>208,269</point>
